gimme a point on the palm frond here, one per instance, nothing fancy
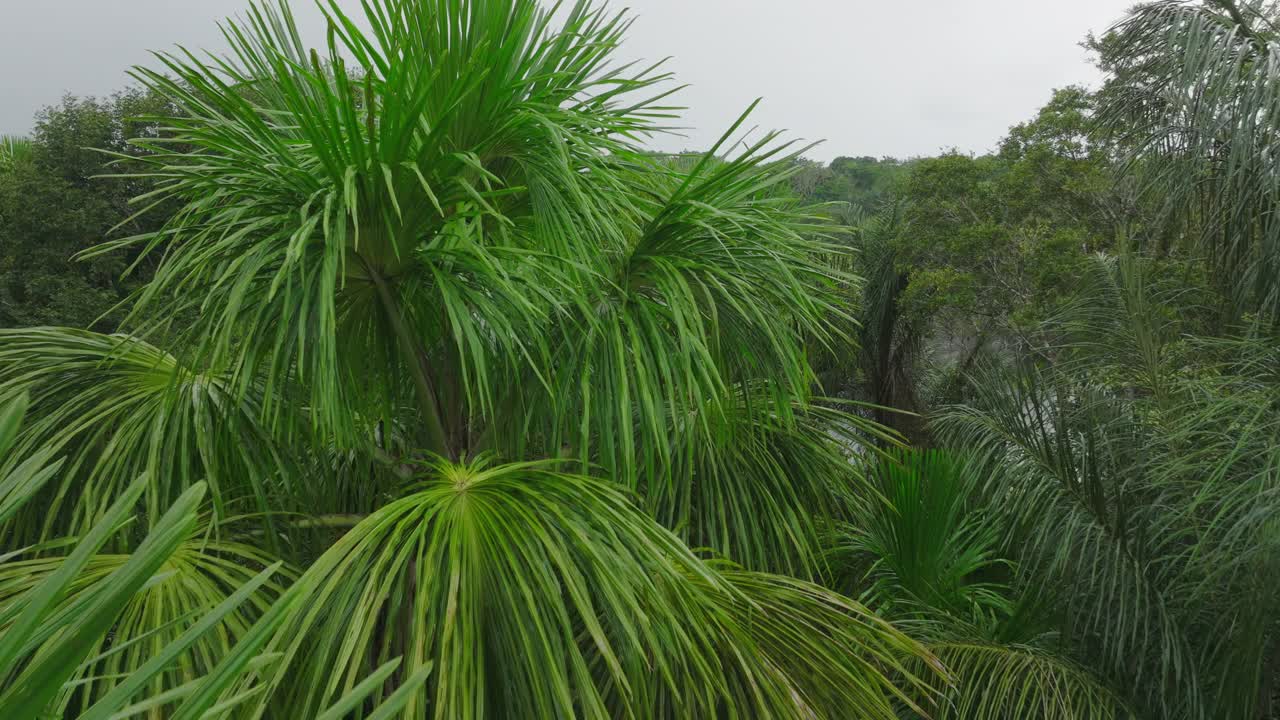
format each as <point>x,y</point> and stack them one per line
<point>1196,101</point>
<point>919,538</point>
<point>762,488</point>
<point>19,481</point>
<point>454,130</point>
<point>996,681</point>
<point>537,592</point>
<point>1062,466</point>
<point>14,151</point>
<point>118,408</point>
<point>720,281</point>
<point>197,576</point>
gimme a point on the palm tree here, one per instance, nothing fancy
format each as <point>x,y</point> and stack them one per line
<point>1193,103</point>
<point>890,341</point>
<point>425,288</point>
<point>1137,478</point>
<point>925,551</point>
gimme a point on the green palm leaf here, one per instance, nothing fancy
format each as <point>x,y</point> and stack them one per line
<point>465,130</point>
<point>994,681</point>
<point>918,538</point>
<point>118,407</point>
<point>14,151</point>
<point>196,577</point>
<point>537,592</point>
<point>21,480</point>
<point>1194,103</point>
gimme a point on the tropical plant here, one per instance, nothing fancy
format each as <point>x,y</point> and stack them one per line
<point>431,262</point>
<point>925,551</point>
<point>890,340</point>
<point>49,634</point>
<point>437,395</point>
<point>919,539</point>
<point>1192,99</point>
<point>67,619</point>
<point>1138,478</point>
<point>14,150</point>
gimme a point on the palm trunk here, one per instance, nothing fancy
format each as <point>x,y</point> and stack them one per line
<point>419,368</point>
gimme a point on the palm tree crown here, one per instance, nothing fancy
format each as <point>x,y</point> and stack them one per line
<point>425,284</point>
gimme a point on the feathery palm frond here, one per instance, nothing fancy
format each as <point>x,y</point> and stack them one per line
<point>19,481</point>
<point>1060,459</point>
<point>923,551</point>
<point>917,538</point>
<point>1196,104</point>
<point>1139,475</point>
<point>999,681</point>
<point>721,281</point>
<point>52,617</point>
<point>763,488</point>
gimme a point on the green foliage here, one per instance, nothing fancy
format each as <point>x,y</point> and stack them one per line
<point>890,342</point>
<point>117,408</point>
<point>1191,100</point>
<point>482,563</point>
<point>14,152</point>
<point>926,552</point>
<point>999,681</point>
<point>434,253</point>
<point>918,541</point>
<point>860,182</point>
<point>23,479</point>
<point>53,205</point>
<point>997,238</point>
<point>1135,474</point>
<point>53,619</point>
<point>539,416</point>
<point>970,255</point>
<point>197,576</point>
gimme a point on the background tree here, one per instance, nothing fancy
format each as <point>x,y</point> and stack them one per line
<point>861,182</point>
<point>55,204</point>
<point>1191,100</point>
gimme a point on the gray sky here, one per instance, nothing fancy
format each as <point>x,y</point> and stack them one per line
<point>870,77</point>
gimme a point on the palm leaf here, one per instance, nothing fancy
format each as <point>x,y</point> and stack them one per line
<point>994,681</point>
<point>1194,103</point>
<point>537,592</point>
<point>14,151</point>
<point>119,407</point>
<point>481,135</point>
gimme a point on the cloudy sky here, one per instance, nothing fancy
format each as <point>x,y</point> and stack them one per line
<point>869,77</point>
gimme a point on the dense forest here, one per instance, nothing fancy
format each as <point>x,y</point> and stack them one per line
<point>399,378</point>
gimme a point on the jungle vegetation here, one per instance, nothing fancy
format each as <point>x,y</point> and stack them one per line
<point>396,377</point>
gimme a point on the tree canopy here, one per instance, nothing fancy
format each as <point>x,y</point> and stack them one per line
<point>398,377</point>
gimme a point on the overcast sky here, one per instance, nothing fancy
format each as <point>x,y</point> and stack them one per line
<point>870,77</point>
